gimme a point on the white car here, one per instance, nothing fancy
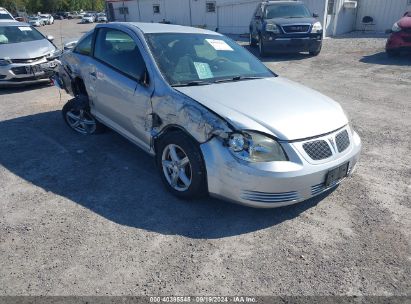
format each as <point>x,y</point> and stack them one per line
<point>5,15</point>
<point>88,18</point>
<point>36,21</point>
<point>47,18</point>
<point>101,17</point>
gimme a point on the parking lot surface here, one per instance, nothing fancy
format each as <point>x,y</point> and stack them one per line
<point>89,215</point>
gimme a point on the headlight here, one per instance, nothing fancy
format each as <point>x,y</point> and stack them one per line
<point>4,62</point>
<point>255,147</point>
<point>396,27</point>
<point>273,28</point>
<point>316,27</point>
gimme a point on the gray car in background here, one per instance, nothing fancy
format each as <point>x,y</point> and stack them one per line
<point>23,54</point>
<point>214,117</point>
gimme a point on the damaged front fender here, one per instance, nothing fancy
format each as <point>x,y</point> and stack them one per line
<point>176,109</point>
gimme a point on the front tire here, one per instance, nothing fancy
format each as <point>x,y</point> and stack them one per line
<point>181,166</point>
<point>78,117</point>
<point>262,47</point>
<point>392,53</point>
<point>252,41</point>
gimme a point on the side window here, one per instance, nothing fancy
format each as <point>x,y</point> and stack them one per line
<point>156,9</point>
<point>258,12</point>
<point>210,6</point>
<point>118,50</point>
<point>84,47</point>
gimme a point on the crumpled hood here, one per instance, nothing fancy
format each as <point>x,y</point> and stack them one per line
<point>275,106</point>
<point>26,50</point>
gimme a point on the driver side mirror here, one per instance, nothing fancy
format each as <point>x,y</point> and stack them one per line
<point>70,45</point>
<point>315,15</point>
<point>50,38</point>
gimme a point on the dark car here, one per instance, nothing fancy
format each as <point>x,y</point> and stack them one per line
<point>400,38</point>
<point>285,26</point>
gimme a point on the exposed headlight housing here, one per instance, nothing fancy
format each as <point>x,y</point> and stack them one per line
<point>396,27</point>
<point>255,147</point>
<point>316,27</point>
<point>273,28</point>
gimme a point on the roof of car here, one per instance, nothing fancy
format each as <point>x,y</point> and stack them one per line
<point>150,28</point>
<point>284,2</point>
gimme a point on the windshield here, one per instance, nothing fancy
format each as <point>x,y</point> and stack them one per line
<point>5,16</point>
<point>287,11</point>
<point>187,58</point>
<point>16,34</point>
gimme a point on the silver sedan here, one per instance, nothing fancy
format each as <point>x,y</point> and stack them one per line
<point>214,117</point>
<point>23,54</point>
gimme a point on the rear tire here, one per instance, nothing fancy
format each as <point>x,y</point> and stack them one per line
<point>181,166</point>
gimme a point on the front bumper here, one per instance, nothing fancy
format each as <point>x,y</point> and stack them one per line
<point>19,74</point>
<point>399,41</point>
<point>275,184</point>
<point>292,42</point>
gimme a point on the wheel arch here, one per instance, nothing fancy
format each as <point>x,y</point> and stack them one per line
<point>170,129</point>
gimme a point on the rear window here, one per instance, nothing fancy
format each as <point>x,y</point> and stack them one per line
<point>16,34</point>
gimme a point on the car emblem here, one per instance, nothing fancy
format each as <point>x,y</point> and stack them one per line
<point>332,142</point>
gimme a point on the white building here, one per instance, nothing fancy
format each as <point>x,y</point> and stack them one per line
<point>233,16</point>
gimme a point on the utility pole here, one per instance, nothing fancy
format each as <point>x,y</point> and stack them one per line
<point>191,17</point>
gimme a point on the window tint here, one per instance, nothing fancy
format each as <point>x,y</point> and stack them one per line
<point>5,15</point>
<point>210,6</point>
<point>258,13</point>
<point>287,11</point>
<point>119,50</point>
<point>84,47</point>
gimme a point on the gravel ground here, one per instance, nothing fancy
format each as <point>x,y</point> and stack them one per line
<point>89,216</point>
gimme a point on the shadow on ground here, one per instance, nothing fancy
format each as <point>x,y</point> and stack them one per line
<point>110,176</point>
<point>382,58</point>
<point>277,57</point>
<point>20,89</point>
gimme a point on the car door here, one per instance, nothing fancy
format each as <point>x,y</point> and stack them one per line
<point>123,97</point>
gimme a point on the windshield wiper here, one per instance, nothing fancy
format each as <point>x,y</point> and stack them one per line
<point>191,83</point>
<point>238,78</point>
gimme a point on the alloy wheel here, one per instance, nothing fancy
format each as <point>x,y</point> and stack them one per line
<point>176,167</point>
<point>81,121</point>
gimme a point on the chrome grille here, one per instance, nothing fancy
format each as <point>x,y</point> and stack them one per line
<point>270,197</point>
<point>318,149</point>
<point>296,28</point>
<point>342,140</point>
<point>19,70</point>
<point>28,60</point>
